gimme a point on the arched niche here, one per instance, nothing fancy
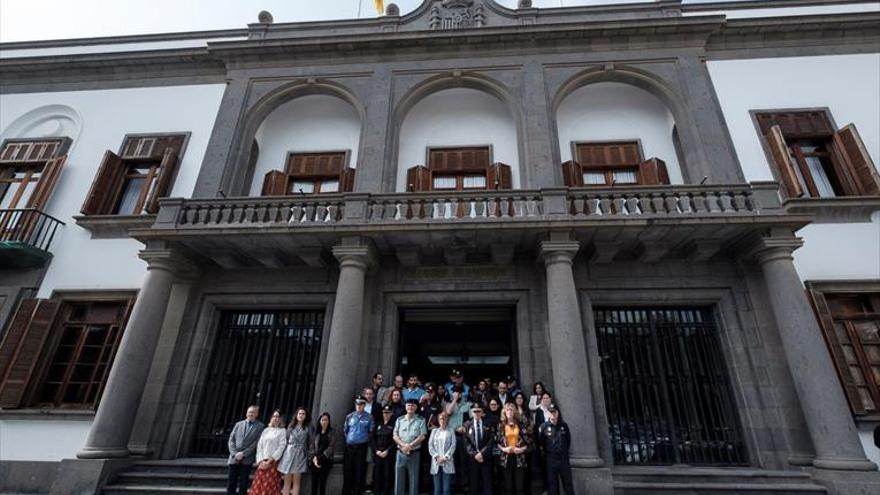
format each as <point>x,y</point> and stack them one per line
<point>43,122</point>
<point>239,175</point>
<point>310,123</point>
<point>463,115</point>
<point>614,111</point>
<point>687,152</point>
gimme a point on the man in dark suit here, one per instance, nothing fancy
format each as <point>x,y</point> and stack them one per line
<point>479,442</point>
<point>242,451</point>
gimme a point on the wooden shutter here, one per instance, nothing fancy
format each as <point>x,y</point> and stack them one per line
<point>794,125</point>
<point>857,161</point>
<point>572,174</point>
<point>275,184</point>
<point>498,176</point>
<point>784,165</point>
<point>315,164</point>
<point>346,180</point>
<point>105,186</point>
<point>48,181</point>
<point>162,188</point>
<point>826,324</point>
<point>418,179</point>
<point>623,154</point>
<point>653,172</point>
<point>22,347</point>
<point>459,159</point>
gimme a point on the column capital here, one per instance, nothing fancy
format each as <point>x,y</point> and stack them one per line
<point>363,256</point>
<point>558,251</point>
<point>768,249</point>
<point>168,260</point>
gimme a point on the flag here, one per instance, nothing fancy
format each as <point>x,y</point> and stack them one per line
<point>380,6</point>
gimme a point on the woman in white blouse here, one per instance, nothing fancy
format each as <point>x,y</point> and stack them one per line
<point>270,448</point>
<point>441,447</point>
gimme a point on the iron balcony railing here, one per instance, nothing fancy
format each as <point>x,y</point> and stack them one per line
<point>451,207</point>
<point>28,227</point>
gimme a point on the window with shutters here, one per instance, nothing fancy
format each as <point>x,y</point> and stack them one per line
<point>58,352</point>
<point>133,181</point>
<point>606,164</point>
<point>459,169</point>
<point>850,321</point>
<point>29,171</point>
<point>811,158</point>
<point>311,173</point>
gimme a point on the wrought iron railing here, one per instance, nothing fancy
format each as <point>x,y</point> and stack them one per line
<point>515,205</point>
<point>28,227</point>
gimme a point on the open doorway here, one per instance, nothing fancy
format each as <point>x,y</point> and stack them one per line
<point>480,342</point>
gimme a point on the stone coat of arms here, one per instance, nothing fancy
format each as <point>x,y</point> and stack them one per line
<point>456,14</point>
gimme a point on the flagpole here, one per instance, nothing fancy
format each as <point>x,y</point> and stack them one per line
<point>360,2</point>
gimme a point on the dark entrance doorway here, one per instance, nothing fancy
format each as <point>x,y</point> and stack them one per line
<point>667,393</point>
<point>267,358</point>
<point>480,342</point>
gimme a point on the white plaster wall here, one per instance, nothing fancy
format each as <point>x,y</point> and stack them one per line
<point>309,123</point>
<point>847,85</point>
<point>457,117</point>
<point>106,116</point>
<point>43,440</point>
<point>616,111</point>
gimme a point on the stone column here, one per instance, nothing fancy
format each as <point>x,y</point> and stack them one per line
<point>111,429</point>
<point>825,407</point>
<point>569,353</point>
<point>344,345</point>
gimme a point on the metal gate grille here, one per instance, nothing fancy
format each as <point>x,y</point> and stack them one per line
<point>268,358</point>
<point>667,393</point>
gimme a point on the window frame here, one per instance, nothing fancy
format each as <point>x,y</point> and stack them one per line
<point>29,167</point>
<point>608,171</point>
<point>317,180</point>
<point>817,290</point>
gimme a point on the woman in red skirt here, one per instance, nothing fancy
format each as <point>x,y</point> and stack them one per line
<point>270,448</point>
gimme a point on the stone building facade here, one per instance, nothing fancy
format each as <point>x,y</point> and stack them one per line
<point>655,288</point>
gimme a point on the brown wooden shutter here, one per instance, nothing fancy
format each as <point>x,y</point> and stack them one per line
<point>857,161</point>
<point>346,180</point>
<point>167,171</point>
<point>105,186</point>
<point>418,179</point>
<point>498,176</point>
<point>653,172</point>
<point>784,165</point>
<point>826,325</point>
<point>459,159</point>
<point>48,181</point>
<point>302,165</point>
<point>609,154</point>
<point>275,184</point>
<point>572,174</point>
<point>794,125</point>
<point>22,347</point>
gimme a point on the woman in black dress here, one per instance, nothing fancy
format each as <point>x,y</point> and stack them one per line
<point>321,455</point>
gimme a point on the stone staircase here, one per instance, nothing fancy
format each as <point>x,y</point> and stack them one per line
<point>712,481</point>
<point>179,476</point>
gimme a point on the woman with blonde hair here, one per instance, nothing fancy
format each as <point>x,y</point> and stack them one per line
<point>441,447</point>
<point>295,460</point>
<point>270,448</point>
<point>514,442</point>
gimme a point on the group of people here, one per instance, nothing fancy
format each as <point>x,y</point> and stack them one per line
<point>472,439</point>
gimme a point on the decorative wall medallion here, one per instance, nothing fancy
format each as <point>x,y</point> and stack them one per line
<point>456,14</point>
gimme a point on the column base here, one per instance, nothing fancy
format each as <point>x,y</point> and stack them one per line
<point>801,459</point>
<point>847,482</point>
<point>839,464</point>
<point>594,481</point>
<point>86,476</point>
<point>102,453</point>
<point>586,462</point>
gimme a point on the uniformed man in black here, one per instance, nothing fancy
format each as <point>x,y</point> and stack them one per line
<point>555,440</point>
<point>384,453</point>
<point>429,409</point>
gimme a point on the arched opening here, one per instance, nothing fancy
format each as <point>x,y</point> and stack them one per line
<point>310,128</point>
<point>455,133</point>
<point>610,128</point>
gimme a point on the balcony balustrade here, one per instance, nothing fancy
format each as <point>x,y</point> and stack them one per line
<point>25,237</point>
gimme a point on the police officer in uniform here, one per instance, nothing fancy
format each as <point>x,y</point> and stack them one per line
<point>384,453</point>
<point>555,439</point>
<point>357,428</point>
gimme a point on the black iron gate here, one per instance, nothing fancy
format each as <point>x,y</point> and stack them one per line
<point>268,358</point>
<point>667,393</point>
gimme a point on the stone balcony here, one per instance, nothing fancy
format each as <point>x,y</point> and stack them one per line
<point>644,223</point>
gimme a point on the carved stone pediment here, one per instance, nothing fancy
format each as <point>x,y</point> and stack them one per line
<point>457,14</point>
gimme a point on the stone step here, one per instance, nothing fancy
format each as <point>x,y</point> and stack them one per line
<point>208,480</point>
<point>195,466</point>
<point>707,474</point>
<point>652,488</point>
<point>159,489</point>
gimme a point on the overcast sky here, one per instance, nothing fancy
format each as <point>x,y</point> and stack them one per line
<point>25,20</point>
